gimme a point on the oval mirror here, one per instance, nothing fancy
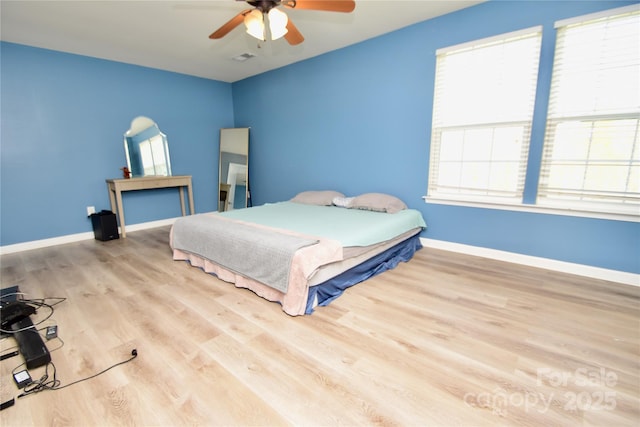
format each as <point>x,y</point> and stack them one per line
<point>147,149</point>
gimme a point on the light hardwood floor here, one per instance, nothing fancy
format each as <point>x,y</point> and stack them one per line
<point>443,340</point>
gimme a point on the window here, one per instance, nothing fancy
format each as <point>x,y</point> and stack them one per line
<point>482,113</point>
<point>591,158</point>
<point>154,157</point>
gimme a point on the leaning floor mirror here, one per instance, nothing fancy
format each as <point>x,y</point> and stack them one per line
<point>234,169</point>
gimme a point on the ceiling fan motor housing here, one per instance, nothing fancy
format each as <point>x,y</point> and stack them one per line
<point>264,6</point>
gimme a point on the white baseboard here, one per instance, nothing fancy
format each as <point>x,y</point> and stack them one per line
<point>70,238</point>
<point>532,261</point>
<point>549,264</point>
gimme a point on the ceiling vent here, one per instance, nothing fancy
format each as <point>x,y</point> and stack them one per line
<point>243,57</point>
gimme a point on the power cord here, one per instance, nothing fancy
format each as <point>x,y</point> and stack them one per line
<point>38,303</point>
<point>44,383</point>
<point>9,352</point>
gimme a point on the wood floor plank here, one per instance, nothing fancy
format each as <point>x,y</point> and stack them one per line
<point>445,339</point>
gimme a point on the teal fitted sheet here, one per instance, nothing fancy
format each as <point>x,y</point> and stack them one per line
<point>351,227</point>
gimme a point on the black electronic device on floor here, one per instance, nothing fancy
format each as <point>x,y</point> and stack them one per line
<point>105,226</point>
<point>21,327</point>
<point>14,311</point>
<point>7,296</point>
<point>30,342</point>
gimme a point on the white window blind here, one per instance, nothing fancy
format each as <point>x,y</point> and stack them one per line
<point>591,158</point>
<point>482,113</point>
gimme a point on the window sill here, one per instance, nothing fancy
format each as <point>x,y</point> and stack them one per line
<point>533,209</point>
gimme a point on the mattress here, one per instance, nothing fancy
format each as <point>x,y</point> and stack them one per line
<point>342,238</point>
<point>350,227</point>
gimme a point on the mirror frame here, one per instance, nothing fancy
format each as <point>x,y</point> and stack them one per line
<point>233,169</point>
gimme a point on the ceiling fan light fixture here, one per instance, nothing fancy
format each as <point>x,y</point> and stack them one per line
<point>254,22</point>
<point>277,23</point>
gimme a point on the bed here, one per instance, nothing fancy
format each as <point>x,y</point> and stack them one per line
<point>304,252</point>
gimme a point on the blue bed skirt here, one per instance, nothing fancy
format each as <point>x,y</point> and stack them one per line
<point>327,291</point>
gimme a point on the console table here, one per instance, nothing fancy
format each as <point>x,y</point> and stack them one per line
<point>117,186</point>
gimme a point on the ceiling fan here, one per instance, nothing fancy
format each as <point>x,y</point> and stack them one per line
<point>279,24</point>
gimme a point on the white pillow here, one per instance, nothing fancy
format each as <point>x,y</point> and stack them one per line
<point>343,202</point>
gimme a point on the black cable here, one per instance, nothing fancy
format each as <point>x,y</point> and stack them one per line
<point>38,304</point>
<point>54,384</point>
<point>134,354</point>
<point>44,337</point>
<point>38,301</point>
<point>11,348</point>
<point>44,383</point>
<point>4,356</point>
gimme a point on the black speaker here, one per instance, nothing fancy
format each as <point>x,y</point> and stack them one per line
<point>105,226</point>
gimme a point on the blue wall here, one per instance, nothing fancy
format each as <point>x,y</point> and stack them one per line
<point>359,120</point>
<point>355,120</point>
<point>62,125</point>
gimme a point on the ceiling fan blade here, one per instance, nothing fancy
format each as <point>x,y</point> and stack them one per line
<point>326,5</point>
<point>293,36</point>
<point>233,23</point>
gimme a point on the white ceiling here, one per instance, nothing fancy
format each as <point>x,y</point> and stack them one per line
<point>174,35</point>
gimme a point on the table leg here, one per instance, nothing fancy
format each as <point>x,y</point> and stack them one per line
<point>190,195</point>
<point>112,198</point>
<point>182,201</point>
<point>120,212</point>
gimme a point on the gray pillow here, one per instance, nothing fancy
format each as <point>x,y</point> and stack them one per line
<point>378,202</point>
<point>321,198</point>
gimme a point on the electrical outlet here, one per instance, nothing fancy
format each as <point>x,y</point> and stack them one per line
<point>91,210</point>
